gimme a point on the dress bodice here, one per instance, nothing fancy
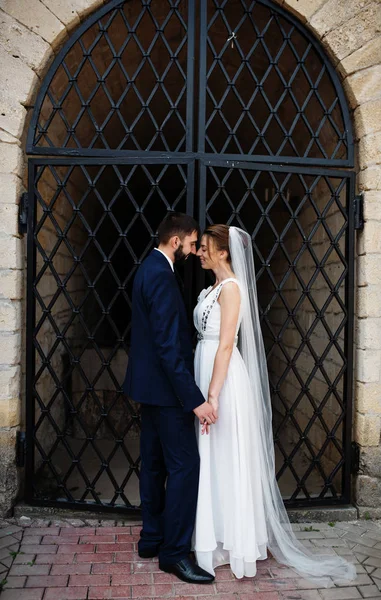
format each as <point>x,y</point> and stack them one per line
<point>207,313</point>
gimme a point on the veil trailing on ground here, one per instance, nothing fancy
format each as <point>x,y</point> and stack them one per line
<point>282,542</point>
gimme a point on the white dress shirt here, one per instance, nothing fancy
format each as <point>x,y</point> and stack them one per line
<point>167,257</point>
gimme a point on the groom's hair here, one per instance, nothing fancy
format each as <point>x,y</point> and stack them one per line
<point>176,223</point>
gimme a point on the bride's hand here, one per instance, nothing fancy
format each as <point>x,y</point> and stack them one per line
<point>213,401</point>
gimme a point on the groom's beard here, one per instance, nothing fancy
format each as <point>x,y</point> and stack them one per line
<point>180,257</point>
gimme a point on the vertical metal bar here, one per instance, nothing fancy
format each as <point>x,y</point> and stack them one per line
<point>203,42</point>
<point>349,340</point>
<point>190,75</point>
<point>30,322</point>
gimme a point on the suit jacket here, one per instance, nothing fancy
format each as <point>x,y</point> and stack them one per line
<point>160,363</point>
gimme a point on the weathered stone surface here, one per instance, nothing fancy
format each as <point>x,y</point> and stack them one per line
<point>8,138</point>
<point>9,219</point>
<point>370,461</point>
<point>368,512</point>
<point>367,430</point>
<point>334,13</point>
<point>10,412</point>
<point>368,333</point>
<point>368,491</point>
<point>66,11</point>
<point>9,382</point>
<point>370,150</point>
<point>11,252</point>
<point>11,158</point>
<point>355,32</point>
<point>370,178</point>
<point>16,39</point>
<point>306,8</point>
<point>372,208</point>
<point>366,56</point>
<point>369,271</point>
<point>369,242</point>
<point>367,117</point>
<point>368,301</point>
<point>10,348</point>
<point>363,86</point>
<point>36,17</point>
<point>10,184</point>
<point>11,284</point>
<point>368,398</point>
<point>368,365</point>
<point>10,315</point>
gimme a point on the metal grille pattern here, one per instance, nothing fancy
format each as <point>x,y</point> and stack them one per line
<point>300,223</point>
<point>119,106</point>
<point>268,91</point>
<point>94,224</point>
<point>122,84</point>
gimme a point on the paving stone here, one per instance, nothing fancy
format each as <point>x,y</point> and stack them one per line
<point>340,593</point>
<point>368,591</point>
<point>373,562</point>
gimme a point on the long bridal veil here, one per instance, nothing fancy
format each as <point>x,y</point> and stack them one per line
<point>282,542</point>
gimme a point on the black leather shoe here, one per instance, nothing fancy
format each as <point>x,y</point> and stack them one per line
<point>188,571</point>
<point>148,553</point>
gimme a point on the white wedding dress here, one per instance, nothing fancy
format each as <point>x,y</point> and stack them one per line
<point>240,511</point>
<point>230,525</point>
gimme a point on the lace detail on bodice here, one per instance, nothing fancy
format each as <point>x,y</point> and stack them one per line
<point>207,314</point>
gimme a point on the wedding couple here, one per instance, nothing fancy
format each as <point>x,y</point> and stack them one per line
<point>208,483</point>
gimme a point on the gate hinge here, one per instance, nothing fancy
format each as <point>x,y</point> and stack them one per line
<point>20,448</point>
<point>359,212</point>
<point>355,457</point>
<point>23,213</point>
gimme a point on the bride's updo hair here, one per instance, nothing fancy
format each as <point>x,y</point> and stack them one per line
<point>219,235</point>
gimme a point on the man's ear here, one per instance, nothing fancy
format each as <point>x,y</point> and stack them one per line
<point>175,241</point>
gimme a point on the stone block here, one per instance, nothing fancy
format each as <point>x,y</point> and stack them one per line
<point>12,252</point>
<point>66,11</point>
<point>11,158</point>
<point>368,491</point>
<point>10,315</point>
<point>10,378</point>
<point>368,301</point>
<point>36,17</point>
<point>369,271</point>
<point>11,284</point>
<point>363,86</point>
<point>354,32</point>
<point>18,40</point>
<point>368,365</point>
<point>368,333</point>
<point>334,13</point>
<point>19,82</point>
<point>370,178</point>
<point>9,219</point>
<point>367,429</point>
<point>370,150</point>
<point>372,209</point>
<point>10,184</point>
<point>8,138</point>
<point>368,397</point>
<point>304,9</point>
<point>370,461</point>
<point>366,56</point>
<point>10,348</point>
<point>10,412</point>
<point>369,240</point>
<point>368,118</point>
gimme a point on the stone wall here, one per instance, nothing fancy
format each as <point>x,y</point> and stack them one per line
<point>32,32</point>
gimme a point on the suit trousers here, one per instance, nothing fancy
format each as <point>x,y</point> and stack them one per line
<point>169,479</point>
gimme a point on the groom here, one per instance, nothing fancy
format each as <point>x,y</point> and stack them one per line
<point>160,377</point>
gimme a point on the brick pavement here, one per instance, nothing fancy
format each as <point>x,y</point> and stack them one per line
<point>73,559</point>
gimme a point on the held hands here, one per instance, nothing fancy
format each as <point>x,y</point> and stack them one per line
<point>206,415</point>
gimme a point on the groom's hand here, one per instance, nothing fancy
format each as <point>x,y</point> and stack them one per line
<point>205,413</point>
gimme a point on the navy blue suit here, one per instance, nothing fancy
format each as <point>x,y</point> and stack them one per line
<point>160,377</point>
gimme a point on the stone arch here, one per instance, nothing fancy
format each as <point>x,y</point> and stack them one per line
<point>32,34</point>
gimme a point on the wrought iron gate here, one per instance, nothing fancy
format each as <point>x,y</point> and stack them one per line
<point>125,128</point>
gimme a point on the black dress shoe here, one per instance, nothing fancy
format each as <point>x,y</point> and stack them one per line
<point>148,553</point>
<point>188,571</point>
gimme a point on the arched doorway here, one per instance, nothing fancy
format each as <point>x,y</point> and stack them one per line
<point>228,110</point>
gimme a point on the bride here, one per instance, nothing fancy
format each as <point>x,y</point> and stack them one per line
<point>240,512</point>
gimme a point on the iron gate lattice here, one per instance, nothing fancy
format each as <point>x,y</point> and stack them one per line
<point>128,133</point>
